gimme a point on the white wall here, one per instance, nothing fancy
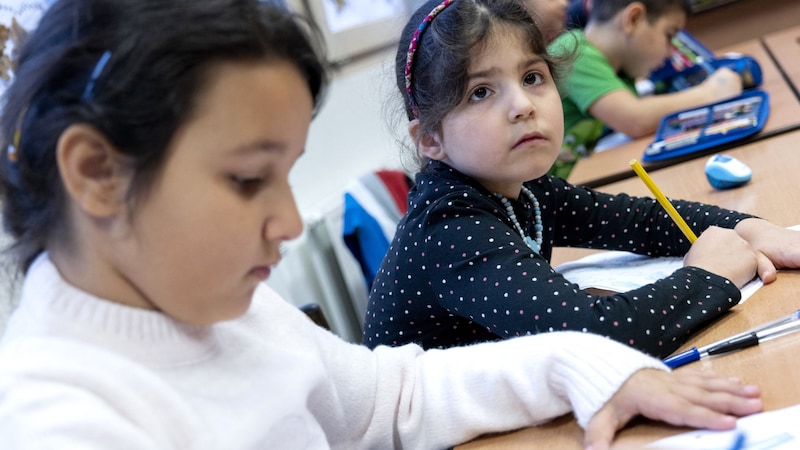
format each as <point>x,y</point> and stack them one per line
<point>349,136</point>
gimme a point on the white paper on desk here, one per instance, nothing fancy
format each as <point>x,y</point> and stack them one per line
<point>610,141</point>
<point>771,430</point>
<point>624,271</point>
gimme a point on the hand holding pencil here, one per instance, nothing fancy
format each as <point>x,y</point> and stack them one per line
<point>720,251</point>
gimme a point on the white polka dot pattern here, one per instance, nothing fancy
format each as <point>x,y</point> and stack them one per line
<point>458,272</point>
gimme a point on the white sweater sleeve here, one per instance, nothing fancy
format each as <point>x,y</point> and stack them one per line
<point>407,398</point>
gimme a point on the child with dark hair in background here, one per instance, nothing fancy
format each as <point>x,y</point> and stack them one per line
<point>549,15</point>
<point>578,13</point>
<point>145,183</point>
<point>470,259</point>
<point>624,40</point>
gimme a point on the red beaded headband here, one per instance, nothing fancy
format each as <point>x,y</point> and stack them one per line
<point>412,48</point>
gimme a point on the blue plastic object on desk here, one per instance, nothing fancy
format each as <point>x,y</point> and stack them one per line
<point>724,172</point>
<point>690,63</point>
<point>703,127</point>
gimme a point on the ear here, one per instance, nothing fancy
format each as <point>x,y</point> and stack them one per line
<point>92,171</point>
<point>632,16</point>
<point>428,145</point>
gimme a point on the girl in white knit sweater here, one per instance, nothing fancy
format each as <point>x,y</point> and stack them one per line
<point>146,151</point>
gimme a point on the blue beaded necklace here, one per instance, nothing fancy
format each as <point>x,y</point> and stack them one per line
<point>535,245</point>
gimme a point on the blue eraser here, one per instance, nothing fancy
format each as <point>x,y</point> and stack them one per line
<point>724,172</point>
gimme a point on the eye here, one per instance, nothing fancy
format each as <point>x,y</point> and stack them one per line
<point>479,93</point>
<point>248,186</point>
<point>533,79</point>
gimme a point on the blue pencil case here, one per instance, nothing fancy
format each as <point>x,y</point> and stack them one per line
<point>696,129</point>
<point>690,62</point>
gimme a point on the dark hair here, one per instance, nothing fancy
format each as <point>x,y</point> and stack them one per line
<point>162,53</point>
<point>604,10</point>
<point>442,57</point>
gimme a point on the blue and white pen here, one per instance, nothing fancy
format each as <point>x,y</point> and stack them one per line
<point>738,442</point>
<point>744,339</point>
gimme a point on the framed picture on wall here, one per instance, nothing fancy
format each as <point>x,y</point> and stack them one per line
<point>354,28</point>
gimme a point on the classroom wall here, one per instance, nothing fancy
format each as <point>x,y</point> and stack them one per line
<point>349,136</point>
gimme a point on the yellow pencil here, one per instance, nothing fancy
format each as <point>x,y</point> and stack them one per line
<point>663,201</point>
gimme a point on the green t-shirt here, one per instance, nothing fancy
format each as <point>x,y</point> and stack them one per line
<point>591,78</point>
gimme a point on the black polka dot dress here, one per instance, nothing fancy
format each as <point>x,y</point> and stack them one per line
<point>458,272</point>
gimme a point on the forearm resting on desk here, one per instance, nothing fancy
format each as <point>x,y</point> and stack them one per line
<point>723,252</point>
<point>778,246</point>
<point>636,116</point>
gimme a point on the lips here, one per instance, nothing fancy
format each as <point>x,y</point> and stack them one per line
<point>529,138</point>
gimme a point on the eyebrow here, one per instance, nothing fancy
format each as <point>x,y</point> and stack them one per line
<point>491,71</point>
<point>259,147</point>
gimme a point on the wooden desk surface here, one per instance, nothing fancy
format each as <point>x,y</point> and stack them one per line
<point>612,164</point>
<point>770,194</point>
<point>775,163</point>
<point>784,46</point>
<point>741,20</point>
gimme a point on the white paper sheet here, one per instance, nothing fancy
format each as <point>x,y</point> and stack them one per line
<point>624,271</point>
<point>771,430</point>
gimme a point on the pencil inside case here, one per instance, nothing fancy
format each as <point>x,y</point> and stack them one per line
<point>701,128</point>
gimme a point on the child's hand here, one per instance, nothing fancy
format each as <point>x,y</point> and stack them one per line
<point>684,398</point>
<point>721,84</point>
<point>778,247</point>
<point>723,252</point>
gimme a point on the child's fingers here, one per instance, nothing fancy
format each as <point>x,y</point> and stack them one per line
<point>711,404</point>
<point>684,398</point>
<point>715,383</point>
<point>730,404</point>
<point>766,269</point>
<point>720,394</point>
<point>696,416</point>
<point>601,429</point>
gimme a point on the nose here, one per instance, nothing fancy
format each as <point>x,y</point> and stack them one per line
<point>522,106</point>
<point>284,222</point>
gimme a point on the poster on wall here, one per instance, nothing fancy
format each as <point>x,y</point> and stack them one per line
<point>341,15</point>
<point>354,28</point>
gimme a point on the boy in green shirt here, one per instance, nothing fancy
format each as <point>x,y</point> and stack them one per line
<point>624,40</point>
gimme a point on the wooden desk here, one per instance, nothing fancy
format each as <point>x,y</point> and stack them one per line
<point>784,47</point>
<point>612,165</point>
<point>741,20</point>
<point>769,194</point>
<point>775,162</point>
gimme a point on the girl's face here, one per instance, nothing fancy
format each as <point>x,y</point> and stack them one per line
<point>509,126</point>
<point>208,232</point>
<point>551,16</point>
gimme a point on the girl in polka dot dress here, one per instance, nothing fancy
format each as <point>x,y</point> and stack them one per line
<point>144,183</point>
<point>470,260</point>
